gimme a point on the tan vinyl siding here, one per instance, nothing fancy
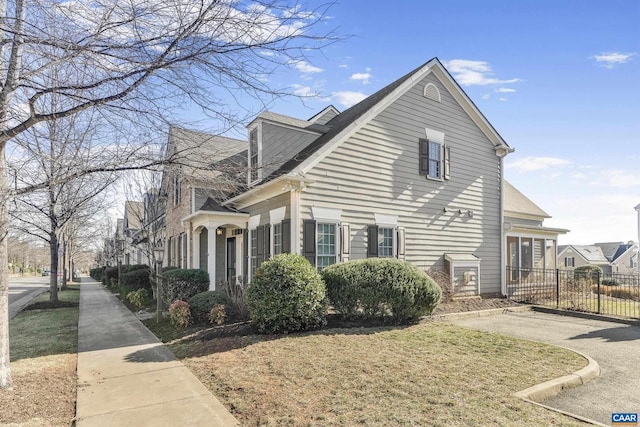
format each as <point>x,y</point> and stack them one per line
<point>376,170</point>
<point>280,144</point>
<point>263,208</point>
<point>201,196</point>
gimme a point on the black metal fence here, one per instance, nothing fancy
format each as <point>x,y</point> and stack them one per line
<point>609,294</point>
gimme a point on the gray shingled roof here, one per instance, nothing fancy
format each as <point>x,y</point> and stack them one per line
<point>516,202</point>
<point>593,254</point>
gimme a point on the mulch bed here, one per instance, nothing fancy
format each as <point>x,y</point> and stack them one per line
<point>45,305</point>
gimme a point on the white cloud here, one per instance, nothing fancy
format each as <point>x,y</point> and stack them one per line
<point>474,73</point>
<point>611,59</point>
<point>343,66</point>
<point>486,96</point>
<point>305,91</point>
<point>505,90</point>
<point>347,98</point>
<point>361,77</point>
<point>529,164</point>
<point>305,67</point>
<point>503,99</point>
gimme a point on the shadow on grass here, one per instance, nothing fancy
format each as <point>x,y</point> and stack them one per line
<point>203,341</point>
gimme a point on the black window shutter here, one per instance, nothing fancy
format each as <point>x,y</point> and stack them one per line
<point>447,162</point>
<point>267,241</point>
<point>260,242</point>
<point>245,263</point>
<point>286,236</point>
<point>309,240</point>
<point>424,157</point>
<point>372,241</point>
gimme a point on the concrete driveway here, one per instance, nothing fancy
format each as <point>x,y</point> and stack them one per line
<point>615,346</point>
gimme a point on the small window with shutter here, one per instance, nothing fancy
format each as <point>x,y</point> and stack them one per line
<point>434,160</point>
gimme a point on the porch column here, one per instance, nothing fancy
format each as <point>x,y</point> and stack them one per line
<point>211,259</point>
<point>189,263</point>
<point>196,249</point>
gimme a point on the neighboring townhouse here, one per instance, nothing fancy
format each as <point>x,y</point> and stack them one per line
<point>529,244</point>
<point>622,256</point>
<point>414,171</point>
<point>190,180</point>
<point>132,227</point>
<point>572,256</point>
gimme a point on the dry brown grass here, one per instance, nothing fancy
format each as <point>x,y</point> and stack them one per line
<point>430,374</point>
<point>43,367</point>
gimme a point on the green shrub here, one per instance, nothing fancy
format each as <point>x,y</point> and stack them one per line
<point>587,272</point>
<point>609,282</point>
<point>237,292</point>
<point>96,273</point>
<point>202,303</point>
<point>136,279</point>
<point>381,288</point>
<point>110,274</point>
<point>180,314</point>
<point>169,268</point>
<point>287,294</point>
<point>182,284</point>
<point>138,298</point>
<point>134,267</point>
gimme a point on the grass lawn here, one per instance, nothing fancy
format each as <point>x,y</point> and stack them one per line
<point>44,345</point>
<point>433,374</point>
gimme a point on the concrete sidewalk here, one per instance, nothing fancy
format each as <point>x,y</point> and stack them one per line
<point>126,377</point>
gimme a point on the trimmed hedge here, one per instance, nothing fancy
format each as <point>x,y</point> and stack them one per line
<point>109,273</point>
<point>182,284</point>
<point>381,288</point>
<point>287,294</point>
<point>588,272</point>
<point>96,273</point>
<point>202,303</point>
<point>136,279</point>
<point>134,267</point>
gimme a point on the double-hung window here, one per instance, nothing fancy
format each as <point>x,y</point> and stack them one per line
<point>277,238</point>
<point>434,158</point>
<point>385,242</point>
<point>254,251</point>
<point>569,262</point>
<point>326,244</point>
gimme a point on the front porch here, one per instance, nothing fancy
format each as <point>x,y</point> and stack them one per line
<point>215,244</point>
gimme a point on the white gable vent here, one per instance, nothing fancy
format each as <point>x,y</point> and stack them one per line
<point>432,92</point>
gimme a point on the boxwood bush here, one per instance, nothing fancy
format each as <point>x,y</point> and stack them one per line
<point>96,274</point>
<point>381,288</point>
<point>109,274</point>
<point>587,272</point>
<point>287,294</point>
<point>182,284</point>
<point>202,303</point>
<point>136,279</point>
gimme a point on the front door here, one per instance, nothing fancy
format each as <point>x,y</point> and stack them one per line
<point>231,259</point>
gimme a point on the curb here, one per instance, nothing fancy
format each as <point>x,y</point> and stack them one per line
<point>19,305</point>
<point>584,315</point>
<point>539,392</point>
<point>479,313</point>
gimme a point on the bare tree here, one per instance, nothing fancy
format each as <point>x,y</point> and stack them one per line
<point>135,58</point>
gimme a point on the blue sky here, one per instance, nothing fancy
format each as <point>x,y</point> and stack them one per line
<point>558,79</point>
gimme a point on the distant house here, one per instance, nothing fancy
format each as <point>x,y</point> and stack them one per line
<point>132,226</point>
<point>612,257</point>
<point>529,244</point>
<point>414,171</point>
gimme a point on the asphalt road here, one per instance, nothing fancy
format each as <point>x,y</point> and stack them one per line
<point>23,289</point>
<point>615,346</point>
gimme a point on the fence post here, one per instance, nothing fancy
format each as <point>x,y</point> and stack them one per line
<point>598,277</point>
<point>557,288</point>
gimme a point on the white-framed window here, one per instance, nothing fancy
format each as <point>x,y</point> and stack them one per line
<point>434,156</point>
<point>253,249</point>
<point>386,242</point>
<point>277,238</point>
<point>435,159</point>
<point>326,245</point>
<point>569,262</point>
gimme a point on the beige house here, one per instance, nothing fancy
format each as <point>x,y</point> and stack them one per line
<point>611,257</point>
<point>414,171</point>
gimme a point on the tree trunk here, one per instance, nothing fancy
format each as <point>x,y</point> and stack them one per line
<point>5,370</point>
<point>65,271</point>
<point>53,280</point>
